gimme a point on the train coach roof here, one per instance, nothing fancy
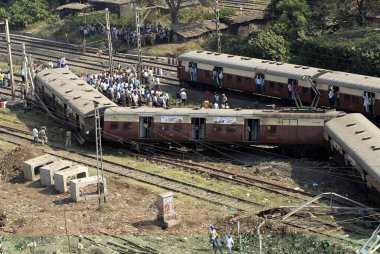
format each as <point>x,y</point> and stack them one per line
<point>371,84</point>
<point>73,91</point>
<point>360,138</point>
<point>245,113</point>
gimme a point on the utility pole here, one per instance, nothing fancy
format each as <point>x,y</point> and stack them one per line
<point>217,25</point>
<point>108,27</point>
<point>138,35</point>
<point>8,41</point>
<point>109,37</point>
<point>99,152</point>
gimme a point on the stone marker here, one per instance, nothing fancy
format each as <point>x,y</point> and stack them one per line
<point>166,213</point>
<point>47,172</point>
<point>61,178</point>
<point>77,184</point>
<point>31,168</point>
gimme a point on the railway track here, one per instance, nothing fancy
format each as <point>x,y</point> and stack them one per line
<point>235,178</point>
<point>46,51</point>
<point>17,137</point>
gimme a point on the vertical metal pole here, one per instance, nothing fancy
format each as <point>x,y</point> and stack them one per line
<point>138,35</point>
<point>97,148</point>
<point>238,229</point>
<point>25,67</point>
<point>108,25</point>
<point>101,155</point>
<point>217,25</point>
<point>68,237</point>
<point>10,57</point>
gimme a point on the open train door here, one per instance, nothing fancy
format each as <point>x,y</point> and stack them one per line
<point>198,128</point>
<point>251,130</point>
<point>292,127</point>
<point>145,125</point>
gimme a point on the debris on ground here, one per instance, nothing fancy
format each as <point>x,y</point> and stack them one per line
<point>11,162</point>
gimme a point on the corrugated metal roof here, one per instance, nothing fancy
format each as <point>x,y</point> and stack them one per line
<point>74,6</point>
<point>73,91</point>
<point>360,138</point>
<point>335,78</point>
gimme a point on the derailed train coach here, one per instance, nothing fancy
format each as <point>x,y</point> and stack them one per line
<point>355,144</point>
<point>221,126</point>
<point>71,100</point>
<point>239,73</point>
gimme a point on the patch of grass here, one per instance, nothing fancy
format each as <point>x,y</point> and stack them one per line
<point>5,146</point>
<point>174,49</point>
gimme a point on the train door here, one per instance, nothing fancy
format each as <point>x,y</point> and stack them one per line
<point>54,103</point>
<point>193,70</point>
<point>145,125</point>
<point>218,75</point>
<point>290,130</point>
<point>77,123</point>
<point>251,130</point>
<point>198,128</point>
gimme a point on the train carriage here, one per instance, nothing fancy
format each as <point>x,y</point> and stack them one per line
<point>184,125</point>
<point>239,74</point>
<point>71,99</point>
<point>355,143</point>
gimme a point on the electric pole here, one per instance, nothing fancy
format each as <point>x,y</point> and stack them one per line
<point>217,25</point>
<point>138,36</point>
<point>8,41</point>
<point>108,27</point>
<point>99,152</point>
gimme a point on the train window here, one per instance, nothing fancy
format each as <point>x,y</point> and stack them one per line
<point>216,127</point>
<point>280,85</point>
<point>355,99</point>
<point>208,73</point>
<point>238,78</point>
<point>271,84</point>
<point>127,126</point>
<point>231,128</point>
<point>272,129</point>
<point>322,93</point>
<point>304,90</point>
<point>114,125</point>
<point>229,76</point>
<point>247,80</point>
<point>346,97</point>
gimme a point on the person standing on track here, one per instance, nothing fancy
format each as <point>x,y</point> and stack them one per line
<point>68,139</point>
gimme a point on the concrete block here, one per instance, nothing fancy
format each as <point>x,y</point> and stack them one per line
<point>62,178</point>
<point>31,168</point>
<point>166,212</point>
<point>47,172</point>
<point>79,184</point>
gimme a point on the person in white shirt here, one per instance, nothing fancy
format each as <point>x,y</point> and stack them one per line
<point>35,136</point>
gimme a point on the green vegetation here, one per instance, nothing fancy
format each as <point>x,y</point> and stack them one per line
<point>264,44</point>
<point>22,13</point>
<point>331,34</point>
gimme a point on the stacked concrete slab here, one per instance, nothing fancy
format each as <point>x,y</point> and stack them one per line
<point>31,168</point>
<point>63,177</point>
<point>77,185</point>
<point>47,172</point>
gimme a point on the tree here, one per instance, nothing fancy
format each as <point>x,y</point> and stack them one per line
<point>364,8</point>
<point>174,6</point>
<point>292,17</point>
<point>267,44</point>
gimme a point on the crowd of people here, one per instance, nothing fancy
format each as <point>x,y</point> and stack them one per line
<point>151,34</point>
<point>125,88</point>
<point>5,78</point>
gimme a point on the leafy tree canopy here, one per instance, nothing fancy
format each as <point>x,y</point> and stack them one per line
<point>24,12</point>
